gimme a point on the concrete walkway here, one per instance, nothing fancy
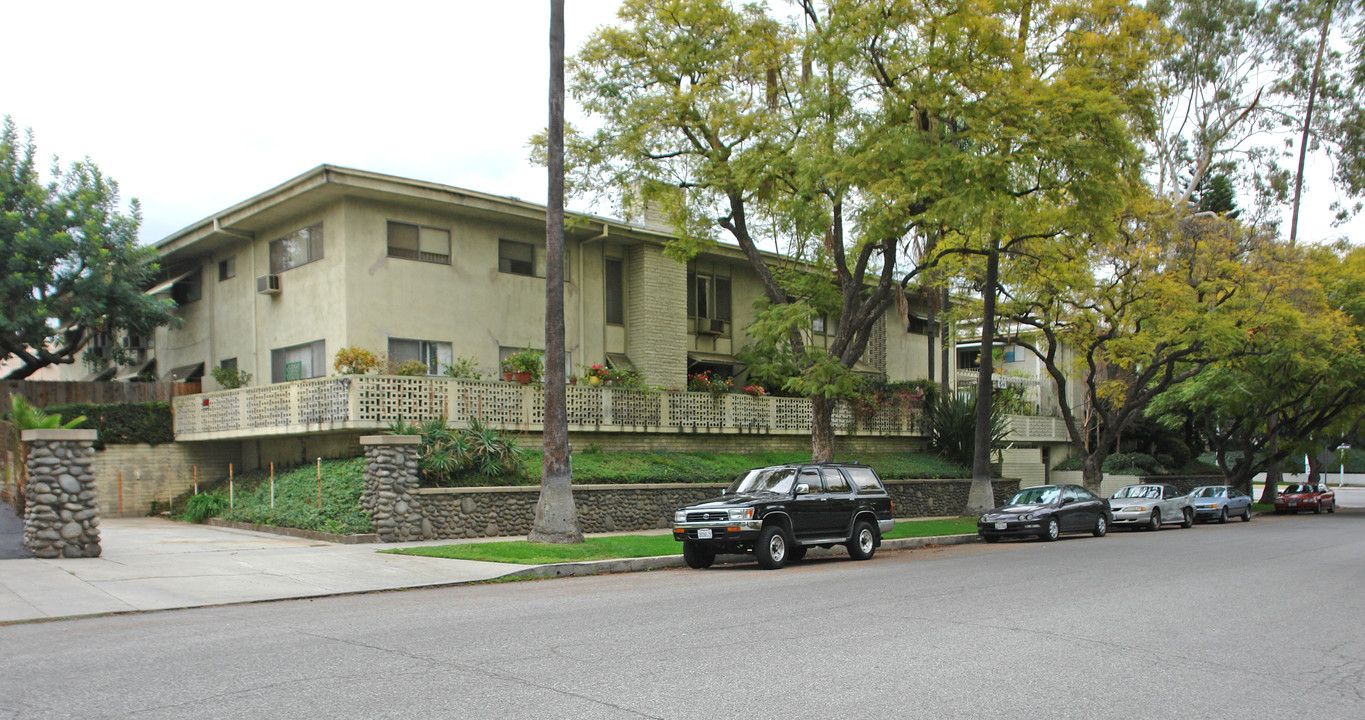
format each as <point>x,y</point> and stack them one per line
<point>154,564</point>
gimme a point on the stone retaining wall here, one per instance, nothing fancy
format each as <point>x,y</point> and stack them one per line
<point>62,518</point>
<point>492,512</point>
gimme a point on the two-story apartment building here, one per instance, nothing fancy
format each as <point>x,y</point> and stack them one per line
<point>337,257</point>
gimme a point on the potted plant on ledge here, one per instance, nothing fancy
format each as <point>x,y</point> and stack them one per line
<point>526,365</point>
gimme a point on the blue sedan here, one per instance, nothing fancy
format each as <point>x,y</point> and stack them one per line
<point>1218,502</point>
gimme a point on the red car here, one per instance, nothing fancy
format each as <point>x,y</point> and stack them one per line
<point>1306,496</point>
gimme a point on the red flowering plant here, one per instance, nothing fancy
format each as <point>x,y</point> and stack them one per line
<point>707,381</point>
<point>601,372</point>
<point>755,390</point>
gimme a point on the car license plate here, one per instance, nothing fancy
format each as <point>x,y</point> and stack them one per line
<point>703,533</point>
<point>1000,526</point>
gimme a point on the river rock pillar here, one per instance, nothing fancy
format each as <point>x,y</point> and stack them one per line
<point>62,517</point>
<point>390,494</point>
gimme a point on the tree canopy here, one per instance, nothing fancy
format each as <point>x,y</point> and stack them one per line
<point>70,264</point>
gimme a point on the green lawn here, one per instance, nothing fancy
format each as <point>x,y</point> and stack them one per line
<point>631,546</point>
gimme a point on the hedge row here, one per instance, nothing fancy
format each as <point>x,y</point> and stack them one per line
<point>122,423</point>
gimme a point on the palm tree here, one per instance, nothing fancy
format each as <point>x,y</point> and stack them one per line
<point>556,517</point>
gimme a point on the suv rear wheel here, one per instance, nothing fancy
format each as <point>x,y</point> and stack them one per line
<point>863,544</point>
<point>697,556</point>
<point>771,549</point>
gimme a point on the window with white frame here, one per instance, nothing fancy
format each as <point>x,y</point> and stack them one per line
<point>297,248</point>
<point>419,242</point>
<point>435,355</point>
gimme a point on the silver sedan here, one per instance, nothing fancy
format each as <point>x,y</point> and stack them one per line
<point>1219,502</point>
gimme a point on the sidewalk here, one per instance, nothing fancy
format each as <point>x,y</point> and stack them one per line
<point>154,564</point>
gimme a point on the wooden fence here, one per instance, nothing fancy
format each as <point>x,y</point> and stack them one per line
<point>41,393</point>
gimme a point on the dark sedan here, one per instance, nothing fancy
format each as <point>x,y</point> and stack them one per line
<point>1045,512</point>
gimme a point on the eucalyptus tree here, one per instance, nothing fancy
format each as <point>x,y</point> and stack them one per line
<point>1324,87</point>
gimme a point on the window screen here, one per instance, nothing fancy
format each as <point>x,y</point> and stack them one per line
<point>516,257</point>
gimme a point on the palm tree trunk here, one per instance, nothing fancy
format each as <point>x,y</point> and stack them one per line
<point>556,517</point>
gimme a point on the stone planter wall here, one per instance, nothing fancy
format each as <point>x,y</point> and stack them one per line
<point>492,512</point>
<point>390,494</point>
<point>933,498</point>
<point>62,518</point>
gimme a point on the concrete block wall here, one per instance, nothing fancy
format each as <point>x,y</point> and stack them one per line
<point>156,472</point>
<point>288,451</point>
<point>656,338</point>
<point>1025,464</point>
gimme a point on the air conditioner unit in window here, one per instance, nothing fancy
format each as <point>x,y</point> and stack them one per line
<point>710,326</point>
<point>268,284</point>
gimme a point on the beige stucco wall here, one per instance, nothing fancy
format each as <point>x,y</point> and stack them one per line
<point>358,296</point>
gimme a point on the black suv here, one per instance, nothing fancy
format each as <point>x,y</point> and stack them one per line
<point>777,512</point>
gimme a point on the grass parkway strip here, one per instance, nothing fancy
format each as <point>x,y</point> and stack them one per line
<point>635,546</point>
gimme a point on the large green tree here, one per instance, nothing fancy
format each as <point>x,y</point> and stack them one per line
<point>70,264</point>
<point>848,132</point>
<point>1146,311</point>
<point>1306,383</point>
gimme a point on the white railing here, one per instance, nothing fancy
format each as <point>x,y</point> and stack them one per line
<point>368,402</point>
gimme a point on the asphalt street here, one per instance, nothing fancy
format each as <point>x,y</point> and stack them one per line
<point>11,534</point>
<point>1255,619</point>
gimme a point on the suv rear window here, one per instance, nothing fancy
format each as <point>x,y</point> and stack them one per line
<point>864,478</point>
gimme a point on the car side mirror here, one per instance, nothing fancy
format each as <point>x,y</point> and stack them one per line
<point>802,489</point>
<point>1068,501</point>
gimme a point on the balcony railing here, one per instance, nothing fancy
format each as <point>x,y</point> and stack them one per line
<point>367,402</point>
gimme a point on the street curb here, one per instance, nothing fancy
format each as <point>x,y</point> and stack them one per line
<point>661,562</point>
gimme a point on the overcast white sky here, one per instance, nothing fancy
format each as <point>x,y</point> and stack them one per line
<point>193,107</point>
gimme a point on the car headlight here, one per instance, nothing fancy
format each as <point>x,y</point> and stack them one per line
<point>1136,508</point>
<point>741,513</point>
<point>680,516</point>
<point>1028,516</point>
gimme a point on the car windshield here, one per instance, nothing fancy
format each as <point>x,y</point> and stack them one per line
<point>1292,489</point>
<point>1138,491</point>
<point>1036,496</point>
<point>1207,492</point>
<point>774,480</point>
